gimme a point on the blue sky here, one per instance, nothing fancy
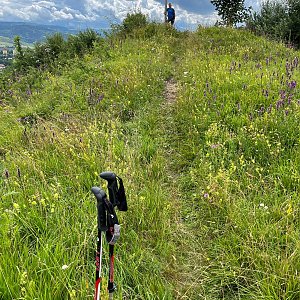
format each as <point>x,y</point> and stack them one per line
<point>101,13</point>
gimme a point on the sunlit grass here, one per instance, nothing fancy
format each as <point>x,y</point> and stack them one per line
<point>211,179</point>
<point>237,117</point>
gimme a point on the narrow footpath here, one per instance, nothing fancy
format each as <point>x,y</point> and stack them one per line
<point>188,254</point>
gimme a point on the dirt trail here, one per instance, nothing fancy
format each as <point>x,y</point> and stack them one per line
<point>170,92</point>
<point>188,257</point>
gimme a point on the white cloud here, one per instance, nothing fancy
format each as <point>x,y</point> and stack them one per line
<point>46,4</point>
<point>61,15</point>
<point>153,9</point>
<point>95,11</point>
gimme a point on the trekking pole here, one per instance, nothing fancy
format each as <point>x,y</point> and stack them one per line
<point>117,198</point>
<point>101,217</point>
<point>108,222</point>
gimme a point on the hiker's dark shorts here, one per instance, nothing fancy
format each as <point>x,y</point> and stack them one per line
<point>171,21</point>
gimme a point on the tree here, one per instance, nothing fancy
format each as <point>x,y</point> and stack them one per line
<point>231,11</point>
<point>55,45</point>
<point>134,21</point>
<point>18,47</point>
<point>278,19</point>
<point>131,25</point>
<point>271,21</point>
<point>19,60</point>
<point>294,21</point>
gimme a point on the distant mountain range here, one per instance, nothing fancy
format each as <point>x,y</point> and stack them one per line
<point>29,32</point>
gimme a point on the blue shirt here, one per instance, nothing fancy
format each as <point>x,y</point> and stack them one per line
<point>171,13</point>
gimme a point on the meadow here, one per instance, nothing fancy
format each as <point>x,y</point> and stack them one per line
<point>211,178</point>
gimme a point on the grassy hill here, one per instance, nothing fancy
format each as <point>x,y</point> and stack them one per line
<point>30,32</point>
<point>211,173</point>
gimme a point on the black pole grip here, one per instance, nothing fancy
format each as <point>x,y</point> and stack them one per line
<point>101,197</point>
<point>112,186</point>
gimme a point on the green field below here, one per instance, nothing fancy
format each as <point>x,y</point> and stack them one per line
<point>8,42</point>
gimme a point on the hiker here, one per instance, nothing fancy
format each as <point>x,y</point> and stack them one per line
<point>170,14</point>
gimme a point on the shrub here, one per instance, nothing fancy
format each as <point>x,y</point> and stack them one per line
<point>278,20</point>
<point>294,21</point>
<point>271,21</point>
<point>83,42</point>
<point>55,49</point>
<point>132,24</point>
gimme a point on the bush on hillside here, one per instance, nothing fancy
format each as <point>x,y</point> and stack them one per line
<point>294,21</point>
<point>82,43</point>
<point>278,20</point>
<point>55,49</point>
<point>131,25</point>
<point>137,26</point>
<point>134,21</point>
<point>271,21</point>
<point>55,44</point>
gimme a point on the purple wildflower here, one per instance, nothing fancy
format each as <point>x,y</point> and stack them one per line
<point>100,98</point>
<point>279,104</point>
<point>282,94</point>
<point>292,84</point>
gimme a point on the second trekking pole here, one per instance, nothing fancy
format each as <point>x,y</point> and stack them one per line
<point>108,223</point>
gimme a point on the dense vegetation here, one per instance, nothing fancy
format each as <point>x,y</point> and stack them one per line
<point>278,20</point>
<point>231,12</point>
<point>212,178</point>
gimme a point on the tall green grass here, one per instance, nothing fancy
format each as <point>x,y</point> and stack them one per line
<point>237,120</point>
<point>212,179</point>
<point>58,134</point>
